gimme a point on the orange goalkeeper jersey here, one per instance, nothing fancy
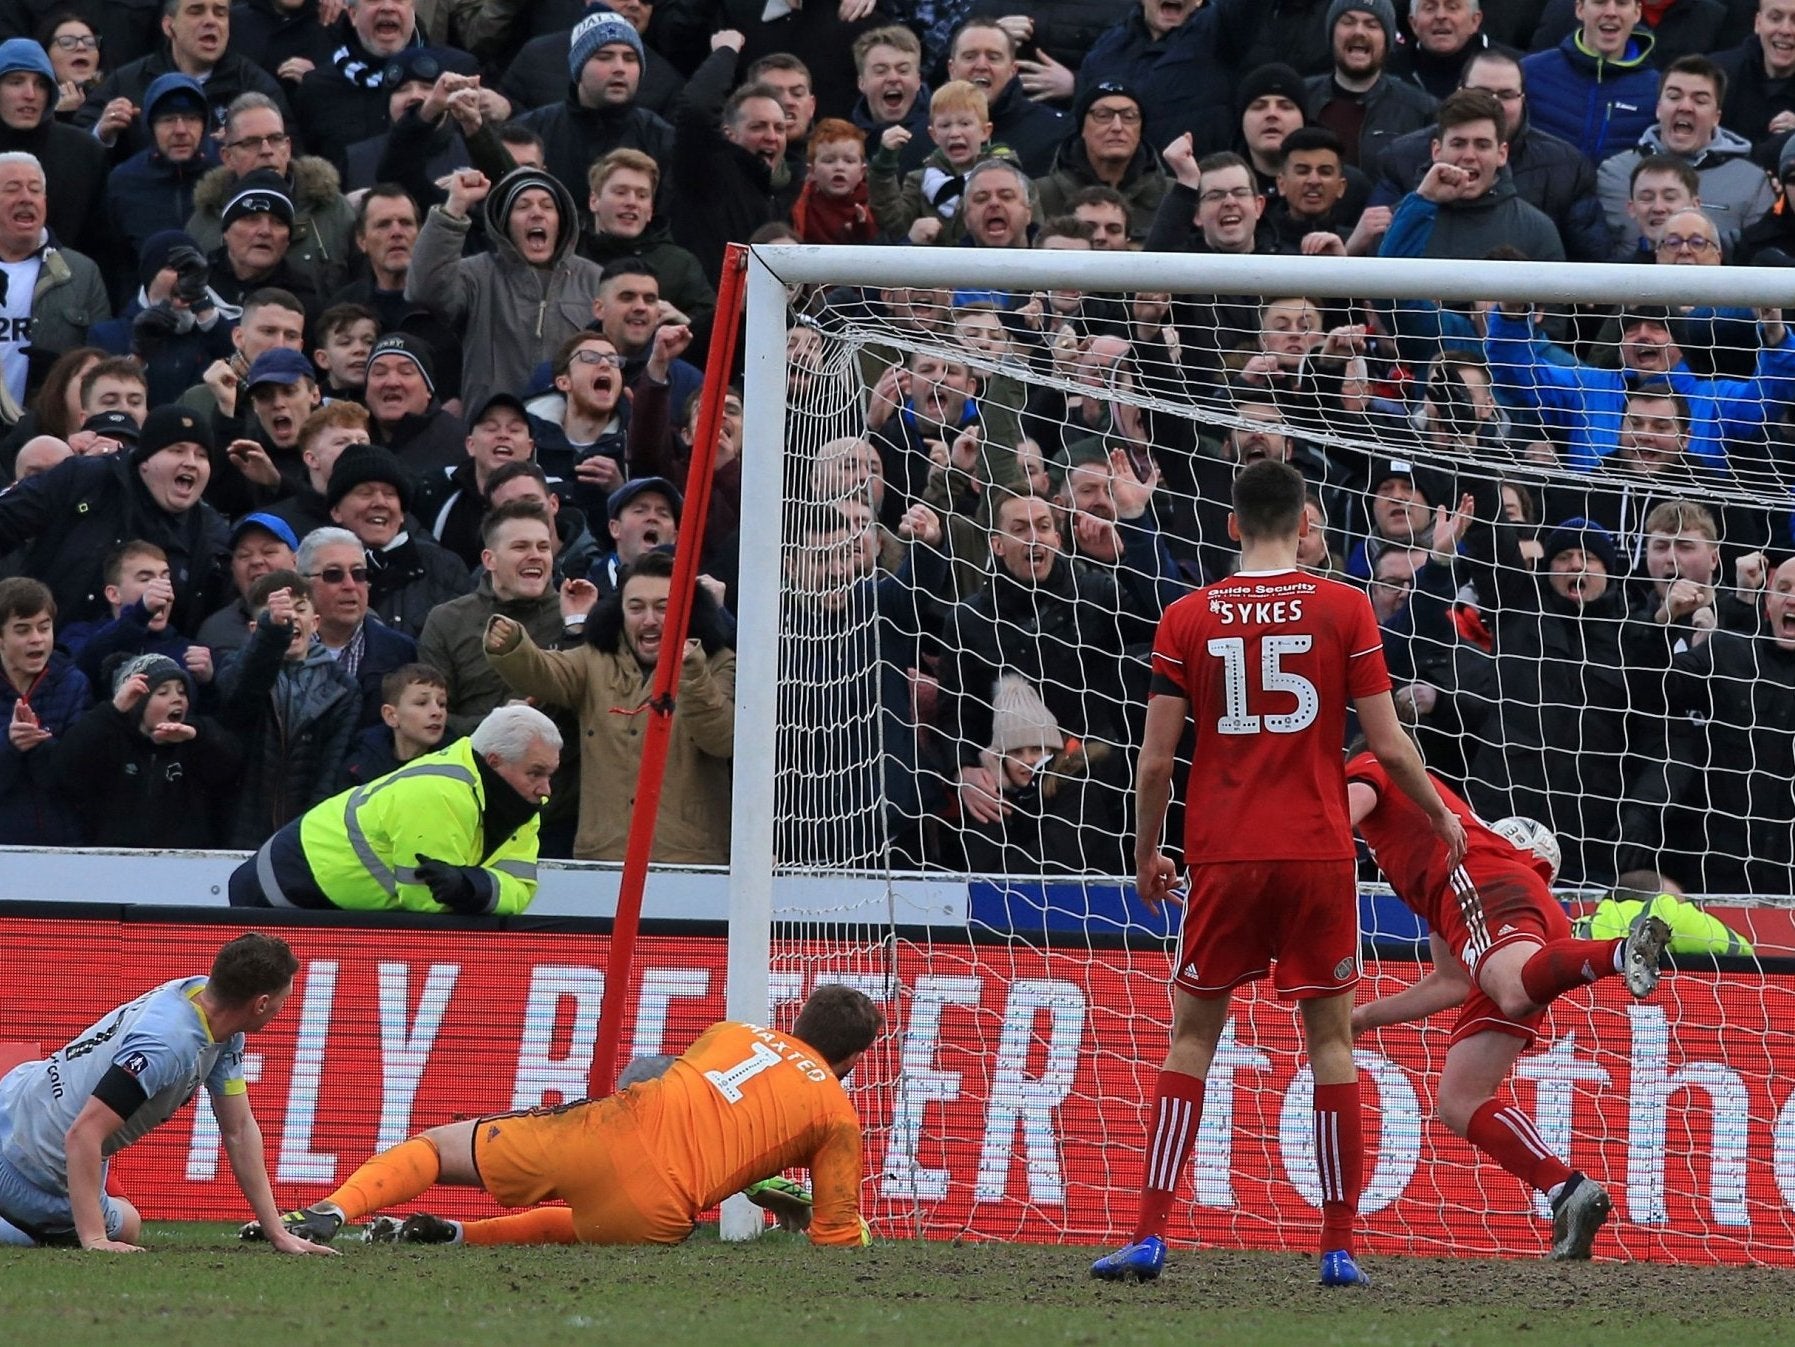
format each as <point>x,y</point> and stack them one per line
<point>741,1105</point>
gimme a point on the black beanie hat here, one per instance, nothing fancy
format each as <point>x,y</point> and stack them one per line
<point>367,463</point>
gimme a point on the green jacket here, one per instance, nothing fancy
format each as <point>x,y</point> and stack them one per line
<point>362,846</point>
<point>1692,931</point>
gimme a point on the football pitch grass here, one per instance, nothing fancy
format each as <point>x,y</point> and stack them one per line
<point>200,1287</point>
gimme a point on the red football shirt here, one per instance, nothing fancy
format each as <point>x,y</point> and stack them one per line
<point>1414,860</point>
<point>1268,661</point>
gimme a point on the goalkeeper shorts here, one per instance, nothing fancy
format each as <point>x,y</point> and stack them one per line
<point>591,1156</point>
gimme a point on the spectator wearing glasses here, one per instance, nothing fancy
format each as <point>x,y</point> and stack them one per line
<point>254,139</point>
<point>199,35</point>
<point>1106,150</point>
<point>335,563</point>
<point>1181,58</point>
<point>1733,190</point>
<point>75,49</point>
<point>1548,172</point>
<point>581,442</point>
<point>409,573</point>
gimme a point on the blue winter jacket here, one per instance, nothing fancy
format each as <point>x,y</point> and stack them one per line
<point>1583,404</point>
<point>1601,107</point>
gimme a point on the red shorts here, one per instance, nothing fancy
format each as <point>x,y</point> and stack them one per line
<point>1495,909</point>
<point>1241,916</point>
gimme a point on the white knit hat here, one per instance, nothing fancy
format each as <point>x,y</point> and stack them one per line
<point>1020,719</point>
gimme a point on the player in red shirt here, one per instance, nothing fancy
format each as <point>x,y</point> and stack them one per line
<point>1502,948</point>
<point>1267,662</point>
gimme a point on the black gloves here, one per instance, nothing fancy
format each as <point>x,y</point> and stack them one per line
<point>154,326</point>
<point>460,888</point>
<point>191,270</point>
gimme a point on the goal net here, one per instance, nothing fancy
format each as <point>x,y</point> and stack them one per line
<point>1567,491</point>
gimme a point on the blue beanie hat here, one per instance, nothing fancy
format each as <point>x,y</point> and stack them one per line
<point>601,28</point>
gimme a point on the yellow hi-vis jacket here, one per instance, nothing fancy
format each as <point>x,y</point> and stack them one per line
<point>1692,931</point>
<point>362,846</point>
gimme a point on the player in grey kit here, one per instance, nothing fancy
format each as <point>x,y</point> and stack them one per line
<point>131,1071</point>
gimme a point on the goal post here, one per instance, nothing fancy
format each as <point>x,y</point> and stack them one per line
<point>909,697</point>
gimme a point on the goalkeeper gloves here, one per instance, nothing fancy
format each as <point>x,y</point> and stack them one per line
<point>460,888</point>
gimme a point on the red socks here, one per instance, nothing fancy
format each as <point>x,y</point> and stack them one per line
<point>1177,1109</point>
<point>1565,965</point>
<point>1340,1159</point>
<point>1508,1136</point>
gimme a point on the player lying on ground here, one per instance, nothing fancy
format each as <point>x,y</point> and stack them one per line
<point>742,1104</point>
<point>133,1070</point>
<point>1503,949</point>
<point>1268,661</point>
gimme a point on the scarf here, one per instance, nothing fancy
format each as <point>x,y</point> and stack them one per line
<point>830,219</point>
<point>942,190</point>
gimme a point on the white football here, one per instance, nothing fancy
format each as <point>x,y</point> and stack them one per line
<point>1531,835</point>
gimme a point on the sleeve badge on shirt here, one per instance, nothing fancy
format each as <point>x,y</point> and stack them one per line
<point>135,1065</point>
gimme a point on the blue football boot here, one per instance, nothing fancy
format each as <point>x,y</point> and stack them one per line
<point>1140,1261</point>
<point>1339,1269</point>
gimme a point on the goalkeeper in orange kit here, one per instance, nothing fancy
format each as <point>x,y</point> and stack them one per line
<point>741,1105</point>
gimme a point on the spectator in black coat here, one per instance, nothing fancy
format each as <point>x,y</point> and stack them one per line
<point>408,573</point>
<point>74,163</point>
<point>199,35</point>
<point>537,75</point>
<point>42,694</point>
<point>71,518</point>
<point>1719,814</point>
<point>1760,77</point>
<point>344,100</point>
<point>600,112</point>
<point>730,174</point>
<point>365,647</point>
<point>153,189</point>
<point>1360,101</point>
<point>1182,59</point>
<point>271,33</point>
<point>984,54</point>
<point>143,769</point>
<point>294,708</point>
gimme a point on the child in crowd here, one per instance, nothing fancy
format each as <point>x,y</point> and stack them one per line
<point>293,707</point>
<point>41,694</point>
<point>346,334</point>
<point>923,203</point>
<point>142,770</point>
<point>141,595</point>
<point>414,708</point>
<point>1064,801</point>
<point>833,207</point>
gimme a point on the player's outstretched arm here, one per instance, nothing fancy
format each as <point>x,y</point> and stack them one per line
<point>1392,747</point>
<point>242,1138</point>
<point>1444,987</point>
<point>84,1146</point>
<point>1155,875</point>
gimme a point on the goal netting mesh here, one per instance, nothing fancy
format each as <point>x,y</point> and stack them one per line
<point>1569,518</point>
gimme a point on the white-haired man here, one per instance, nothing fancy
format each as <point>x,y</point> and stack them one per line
<point>454,831</point>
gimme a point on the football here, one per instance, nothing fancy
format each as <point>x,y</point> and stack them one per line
<point>1531,835</point>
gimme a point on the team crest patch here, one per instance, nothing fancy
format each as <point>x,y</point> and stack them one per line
<point>135,1065</point>
<point>1345,968</point>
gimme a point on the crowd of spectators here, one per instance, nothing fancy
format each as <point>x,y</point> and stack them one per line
<point>351,349</point>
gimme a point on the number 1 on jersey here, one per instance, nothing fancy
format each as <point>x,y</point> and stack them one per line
<point>729,1083</point>
<point>1273,677</point>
